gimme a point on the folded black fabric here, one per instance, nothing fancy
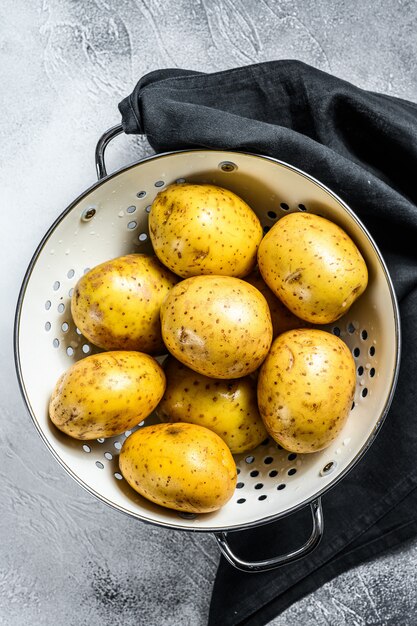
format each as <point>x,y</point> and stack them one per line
<point>363,145</point>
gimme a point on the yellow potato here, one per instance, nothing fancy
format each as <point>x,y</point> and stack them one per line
<point>218,325</point>
<point>312,266</point>
<point>281,317</point>
<point>204,229</point>
<point>180,466</point>
<point>305,389</point>
<point>116,304</point>
<point>106,394</point>
<point>227,407</point>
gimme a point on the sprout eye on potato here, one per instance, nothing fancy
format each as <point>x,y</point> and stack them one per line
<point>204,229</point>
<point>281,317</point>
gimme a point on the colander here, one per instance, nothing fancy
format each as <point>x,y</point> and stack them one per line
<point>111,219</point>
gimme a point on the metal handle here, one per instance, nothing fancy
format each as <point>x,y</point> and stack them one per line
<point>101,147</point>
<point>284,559</point>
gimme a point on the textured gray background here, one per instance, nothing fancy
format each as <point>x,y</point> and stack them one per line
<point>64,557</point>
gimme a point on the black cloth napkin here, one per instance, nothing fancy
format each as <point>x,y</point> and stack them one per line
<point>362,145</point>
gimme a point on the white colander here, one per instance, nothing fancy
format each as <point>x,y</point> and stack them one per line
<point>111,219</point>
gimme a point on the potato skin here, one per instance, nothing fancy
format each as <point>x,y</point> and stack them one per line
<point>281,317</point>
<point>218,326</point>
<point>105,394</point>
<point>313,266</point>
<point>116,304</point>
<point>305,389</point>
<point>227,407</point>
<point>204,229</point>
<point>180,466</point>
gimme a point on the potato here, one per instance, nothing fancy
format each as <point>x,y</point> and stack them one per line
<point>105,394</point>
<point>312,266</point>
<point>218,325</point>
<point>180,466</point>
<point>227,407</point>
<point>305,389</point>
<point>281,317</point>
<point>203,229</point>
<point>116,304</point>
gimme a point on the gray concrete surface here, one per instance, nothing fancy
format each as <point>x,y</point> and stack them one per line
<point>64,557</point>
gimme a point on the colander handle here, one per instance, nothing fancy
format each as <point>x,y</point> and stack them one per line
<point>283,559</point>
<point>101,147</point>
